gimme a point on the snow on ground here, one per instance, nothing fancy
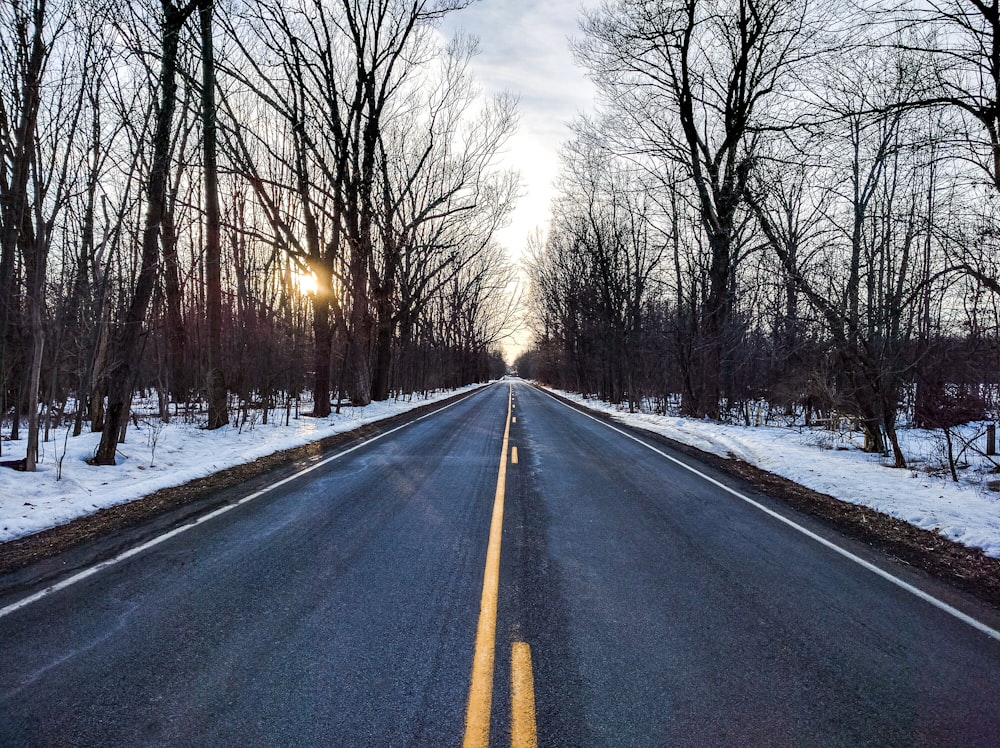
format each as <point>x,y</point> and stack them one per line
<point>154,456</point>
<point>158,455</point>
<point>833,463</point>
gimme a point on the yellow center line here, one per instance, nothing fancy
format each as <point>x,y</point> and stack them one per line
<point>523,733</point>
<point>477,713</point>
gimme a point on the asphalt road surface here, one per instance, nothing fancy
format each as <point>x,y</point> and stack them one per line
<point>620,599</point>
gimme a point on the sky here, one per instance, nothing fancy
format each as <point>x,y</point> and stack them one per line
<point>524,49</point>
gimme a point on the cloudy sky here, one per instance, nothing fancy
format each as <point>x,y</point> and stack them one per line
<point>524,49</point>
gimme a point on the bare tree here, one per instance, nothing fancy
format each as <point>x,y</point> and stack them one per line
<point>218,415</point>
<point>691,81</point>
<point>861,275</point>
<point>375,115</point>
<point>961,41</point>
<point>43,161</point>
<point>440,200</point>
<point>23,62</point>
<point>602,243</point>
<point>123,367</point>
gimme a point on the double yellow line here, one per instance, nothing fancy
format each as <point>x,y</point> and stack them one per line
<point>477,714</point>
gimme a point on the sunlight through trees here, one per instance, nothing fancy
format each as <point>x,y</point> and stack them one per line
<point>231,204</point>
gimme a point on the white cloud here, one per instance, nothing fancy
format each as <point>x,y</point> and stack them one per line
<point>524,49</point>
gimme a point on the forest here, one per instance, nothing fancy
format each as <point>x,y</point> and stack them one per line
<point>780,212</point>
<point>225,205</point>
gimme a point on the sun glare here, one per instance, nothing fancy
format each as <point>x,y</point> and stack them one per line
<point>306,283</point>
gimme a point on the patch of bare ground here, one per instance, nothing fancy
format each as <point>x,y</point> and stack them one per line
<point>968,569</point>
<point>16,554</point>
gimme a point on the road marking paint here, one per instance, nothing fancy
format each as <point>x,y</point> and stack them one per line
<point>523,732</point>
<point>513,455</point>
<point>916,591</point>
<point>477,713</point>
<point>79,577</point>
<point>513,420</point>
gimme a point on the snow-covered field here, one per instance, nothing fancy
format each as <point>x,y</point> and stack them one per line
<point>833,463</point>
<point>154,456</point>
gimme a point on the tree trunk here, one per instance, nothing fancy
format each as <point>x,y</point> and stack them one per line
<point>322,353</point>
<point>98,367</point>
<point>889,408</point>
<point>35,245</point>
<point>123,368</point>
<point>37,349</point>
<point>179,383</point>
<point>15,416</point>
<point>218,415</point>
<point>359,343</point>
<point>381,376</point>
<point>15,192</point>
<point>360,377</point>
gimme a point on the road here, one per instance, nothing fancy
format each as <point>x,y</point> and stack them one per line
<point>642,603</point>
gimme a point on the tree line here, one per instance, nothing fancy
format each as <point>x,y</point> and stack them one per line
<point>230,203</point>
<point>788,206</point>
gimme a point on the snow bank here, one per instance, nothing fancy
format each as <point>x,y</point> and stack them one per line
<point>157,456</point>
<point>154,456</point>
<point>834,464</point>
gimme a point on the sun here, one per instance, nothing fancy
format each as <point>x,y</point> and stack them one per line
<point>306,283</point>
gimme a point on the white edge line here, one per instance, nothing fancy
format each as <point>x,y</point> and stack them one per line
<point>926,597</point>
<point>90,571</point>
